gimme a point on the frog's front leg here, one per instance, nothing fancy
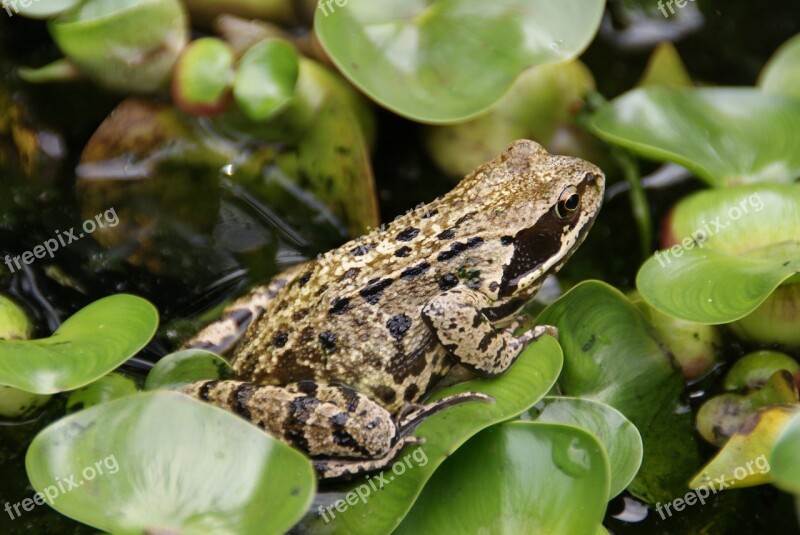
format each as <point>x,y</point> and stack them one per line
<point>456,319</point>
<point>222,335</point>
<point>344,430</point>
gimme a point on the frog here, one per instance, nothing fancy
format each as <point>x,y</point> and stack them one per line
<point>335,355</point>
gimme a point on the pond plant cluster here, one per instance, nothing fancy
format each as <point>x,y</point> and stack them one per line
<point>234,139</point>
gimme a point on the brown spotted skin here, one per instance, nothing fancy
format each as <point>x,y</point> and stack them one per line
<point>390,313</point>
<point>362,303</point>
<point>326,421</point>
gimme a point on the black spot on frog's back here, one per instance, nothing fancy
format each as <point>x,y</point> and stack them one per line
<point>415,271</point>
<point>327,340</point>
<point>456,248</point>
<point>446,234</point>
<point>448,281</point>
<point>361,250</point>
<point>371,293</point>
<point>408,234</point>
<point>411,392</point>
<point>303,279</point>
<point>280,339</point>
<point>386,394</point>
<point>349,274</point>
<point>340,305</point>
<point>399,325</point>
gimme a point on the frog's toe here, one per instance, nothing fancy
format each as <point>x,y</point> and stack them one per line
<point>334,468</point>
<point>537,332</point>
<point>413,419</point>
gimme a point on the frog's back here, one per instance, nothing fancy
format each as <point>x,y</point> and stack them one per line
<point>353,315</point>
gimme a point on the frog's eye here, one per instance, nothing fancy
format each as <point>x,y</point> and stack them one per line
<point>568,202</point>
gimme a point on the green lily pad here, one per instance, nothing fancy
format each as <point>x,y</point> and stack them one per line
<point>183,367</point>
<point>519,477</point>
<point>446,61</point>
<point>203,77</point>
<point>619,437</point>
<point>528,380</point>
<point>781,74</point>
<point>265,79</point>
<point>726,136</point>
<point>612,355</point>
<point>156,463</point>
<point>91,343</point>
<point>785,457</point>
<point>141,40</point>
<point>112,386</point>
<point>732,249</point>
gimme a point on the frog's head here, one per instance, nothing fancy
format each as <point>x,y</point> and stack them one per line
<point>544,205</point>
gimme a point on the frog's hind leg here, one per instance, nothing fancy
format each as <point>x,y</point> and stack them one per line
<point>223,334</point>
<point>344,429</point>
<point>322,420</point>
